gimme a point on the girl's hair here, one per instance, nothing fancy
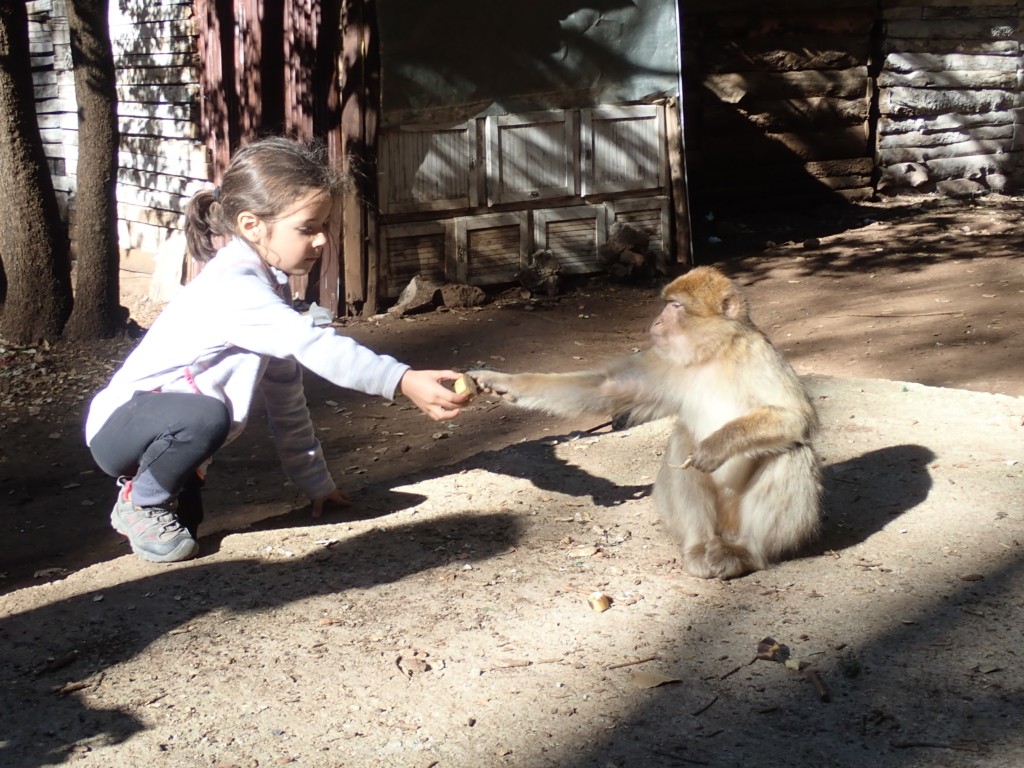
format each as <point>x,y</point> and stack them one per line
<point>264,177</point>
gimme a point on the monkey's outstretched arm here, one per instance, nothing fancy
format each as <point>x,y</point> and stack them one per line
<point>600,392</point>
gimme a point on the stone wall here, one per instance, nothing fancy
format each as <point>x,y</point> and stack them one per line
<point>949,96</point>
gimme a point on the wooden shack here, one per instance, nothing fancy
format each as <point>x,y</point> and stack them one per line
<point>483,132</point>
<point>509,128</point>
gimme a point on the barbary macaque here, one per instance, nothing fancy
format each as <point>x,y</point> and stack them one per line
<point>740,484</point>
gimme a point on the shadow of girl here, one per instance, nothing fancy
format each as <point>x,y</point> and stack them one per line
<point>56,655</point>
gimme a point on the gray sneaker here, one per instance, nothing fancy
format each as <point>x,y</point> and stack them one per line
<point>155,533</point>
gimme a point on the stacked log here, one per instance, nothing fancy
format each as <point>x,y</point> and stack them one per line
<point>777,101</point>
<point>949,96</point>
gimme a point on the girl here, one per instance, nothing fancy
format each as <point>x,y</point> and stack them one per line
<point>186,390</point>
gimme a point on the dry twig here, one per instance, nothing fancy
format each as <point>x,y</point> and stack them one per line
<point>633,663</point>
<point>936,745</point>
<point>705,708</point>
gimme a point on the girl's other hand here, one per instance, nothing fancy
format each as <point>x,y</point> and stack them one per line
<point>425,389</point>
<point>336,497</point>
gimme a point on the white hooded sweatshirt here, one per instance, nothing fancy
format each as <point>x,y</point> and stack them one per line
<point>232,330</point>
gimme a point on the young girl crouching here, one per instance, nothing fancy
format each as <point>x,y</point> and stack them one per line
<point>187,388</point>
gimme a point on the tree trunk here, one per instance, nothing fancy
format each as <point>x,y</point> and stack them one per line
<point>34,245</point>
<point>96,311</point>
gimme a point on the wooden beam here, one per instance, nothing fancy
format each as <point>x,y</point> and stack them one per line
<point>351,134</point>
<point>327,121</point>
<point>216,84</point>
<point>248,73</point>
<point>371,140</point>
<point>677,182</point>
<point>360,95</point>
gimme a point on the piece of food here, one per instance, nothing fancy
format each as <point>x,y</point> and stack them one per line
<point>465,383</point>
<point>599,602</point>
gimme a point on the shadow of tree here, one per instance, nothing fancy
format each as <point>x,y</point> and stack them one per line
<point>891,704</point>
<point>748,242</point>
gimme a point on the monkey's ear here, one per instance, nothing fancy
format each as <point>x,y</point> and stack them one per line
<point>734,306</point>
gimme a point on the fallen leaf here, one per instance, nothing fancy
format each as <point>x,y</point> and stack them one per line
<point>643,679</point>
<point>413,665</point>
<point>51,573</point>
<point>771,650</point>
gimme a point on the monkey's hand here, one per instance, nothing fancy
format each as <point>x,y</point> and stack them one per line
<point>495,383</point>
<point>706,457</point>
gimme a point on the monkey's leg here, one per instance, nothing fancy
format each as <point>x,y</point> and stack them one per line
<point>686,501</point>
<point>726,553</point>
<point>779,511</point>
<point>727,560</point>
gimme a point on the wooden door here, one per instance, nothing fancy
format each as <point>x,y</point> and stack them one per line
<point>623,149</point>
<point>428,168</point>
<point>531,157</point>
<point>490,249</point>
<point>572,235</point>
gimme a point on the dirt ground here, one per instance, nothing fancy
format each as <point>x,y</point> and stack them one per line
<point>443,621</point>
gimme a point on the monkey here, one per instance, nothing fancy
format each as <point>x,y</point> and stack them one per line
<point>740,482</point>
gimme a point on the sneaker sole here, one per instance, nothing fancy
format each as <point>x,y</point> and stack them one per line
<point>184,551</point>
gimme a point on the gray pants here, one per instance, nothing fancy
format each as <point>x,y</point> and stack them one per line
<point>160,439</point>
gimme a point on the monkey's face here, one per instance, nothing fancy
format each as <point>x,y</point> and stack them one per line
<point>671,332</point>
<point>688,332</point>
<point>667,321</point>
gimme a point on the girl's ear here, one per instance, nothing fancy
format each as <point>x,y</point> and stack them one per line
<point>250,226</point>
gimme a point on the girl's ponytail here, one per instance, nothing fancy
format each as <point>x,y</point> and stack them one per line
<point>202,224</point>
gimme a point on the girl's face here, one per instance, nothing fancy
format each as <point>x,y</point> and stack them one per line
<point>294,242</point>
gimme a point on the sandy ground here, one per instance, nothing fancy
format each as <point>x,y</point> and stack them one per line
<point>444,620</point>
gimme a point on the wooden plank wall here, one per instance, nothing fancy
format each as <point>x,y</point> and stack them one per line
<point>162,160</point>
<point>56,108</point>
<point>949,102</point>
<point>802,101</point>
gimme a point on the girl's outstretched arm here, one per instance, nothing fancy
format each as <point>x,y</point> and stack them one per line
<point>427,392</point>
